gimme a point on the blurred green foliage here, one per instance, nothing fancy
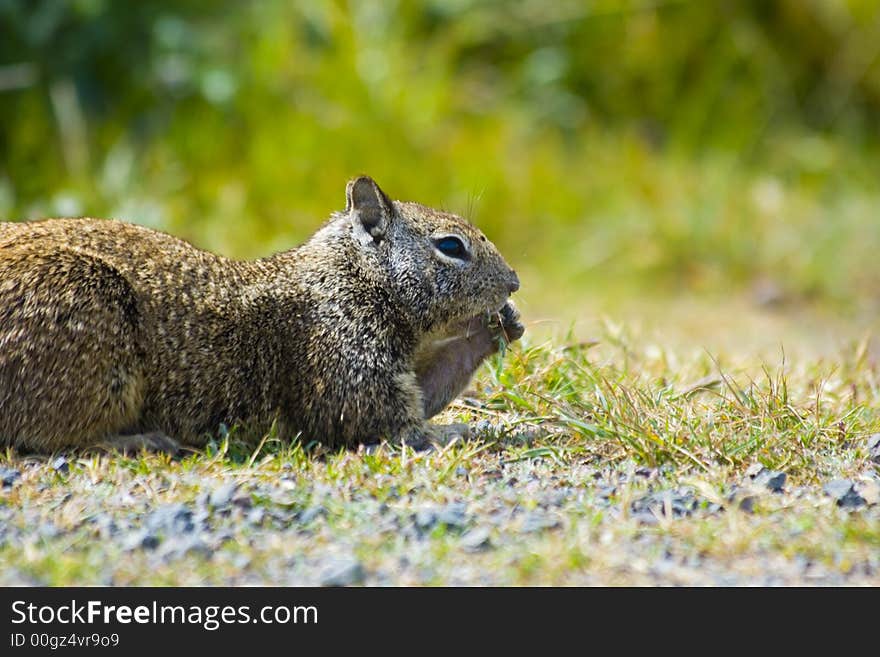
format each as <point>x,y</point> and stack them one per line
<point>620,144</point>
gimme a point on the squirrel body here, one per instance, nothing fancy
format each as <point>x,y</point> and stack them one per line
<point>110,330</point>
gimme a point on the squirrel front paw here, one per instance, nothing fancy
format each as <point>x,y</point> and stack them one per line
<point>505,324</point>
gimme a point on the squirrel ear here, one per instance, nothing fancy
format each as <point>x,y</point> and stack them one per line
<point>370,210</point>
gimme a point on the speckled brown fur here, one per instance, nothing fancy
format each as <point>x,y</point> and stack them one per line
<point>364,331</point>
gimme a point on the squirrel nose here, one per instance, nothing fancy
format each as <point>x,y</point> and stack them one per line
<point>513,282</point>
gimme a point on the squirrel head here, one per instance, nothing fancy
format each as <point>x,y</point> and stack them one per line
<point>440,265</point>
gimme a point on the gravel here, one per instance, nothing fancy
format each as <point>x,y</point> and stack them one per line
<point>844,493</point>
<point>341,571</point>
<point>874,447</point>
<point>677,503</point>
<point>171,519</point>
<point>869,491</point>
<point>222,496</point>
<point>538,521</point>
<point>477,539</point>
<point>453,515</point>
<point>8,477</point>
<point>599,522</point>
<point>60,465</point>
<point>181,546</point>
<point>311,514</point>
<point>772,480</point>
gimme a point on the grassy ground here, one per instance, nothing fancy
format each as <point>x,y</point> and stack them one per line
<point>606,461</point>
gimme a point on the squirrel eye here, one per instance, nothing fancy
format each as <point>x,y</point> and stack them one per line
<point>451,246</point>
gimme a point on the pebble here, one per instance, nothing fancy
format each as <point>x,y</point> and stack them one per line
<point>243,500</point>
<point>772,480</point>
<point>8,476</point>
<point>680,503</point>
<point>255,516</point>
<point>341,571</point>
<point>554,498</point>
<point>180,546</point>
<point>141,539</point>
<point>222,496</point>
<point>171,519</point>
<point>476,539</point>
<point>453,514</point>
<point>754,470</point>
<point>538,521</point>
<point>606,491</point>
<point>869,491</point>
<point>60,465</point>
<point>105,525</point>
<point>311,513</point>
<point>645,518</point>
<point>874,447</point>
<point>425,518</point>
<point>483,428</point>
<point>837,488</point>
<point>844,493</point>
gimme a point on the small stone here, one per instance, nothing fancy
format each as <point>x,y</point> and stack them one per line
<point>222,496</point>
<point>554,498</point>
<point>869,491</point>
<point>241,561</point>
<point>476,539</point>
<point>645,518</point>
<point>60,465</point>
<point>483,428</point>
<point>453,515</point>
<point>461,472</point>
<point>243,500</point>
<point>838,488</point>
<point>311,513</point>
<point>426,518</point>
<point>772,480</point>
<point>105,525</point>
<point>8,477</point>
<point>851,500</point>
<point>678,502</point>
<point>341,571</point>
<point>747,504</point>
<point>538,521</point>
<point>171,519</point>
<point>874,447</point>
<point>149,541</point>
<point>141,539</point>
<point>754,470</point>
<point>181,546</point>
<point>844,493</point>
<point>48,530</point>
<point>606,491</point>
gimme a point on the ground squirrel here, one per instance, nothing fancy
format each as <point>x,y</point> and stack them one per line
<point>115,334</point>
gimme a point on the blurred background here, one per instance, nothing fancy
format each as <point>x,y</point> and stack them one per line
<point>687,162</point>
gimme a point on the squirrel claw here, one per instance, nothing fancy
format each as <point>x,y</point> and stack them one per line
<point>505,323</point>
